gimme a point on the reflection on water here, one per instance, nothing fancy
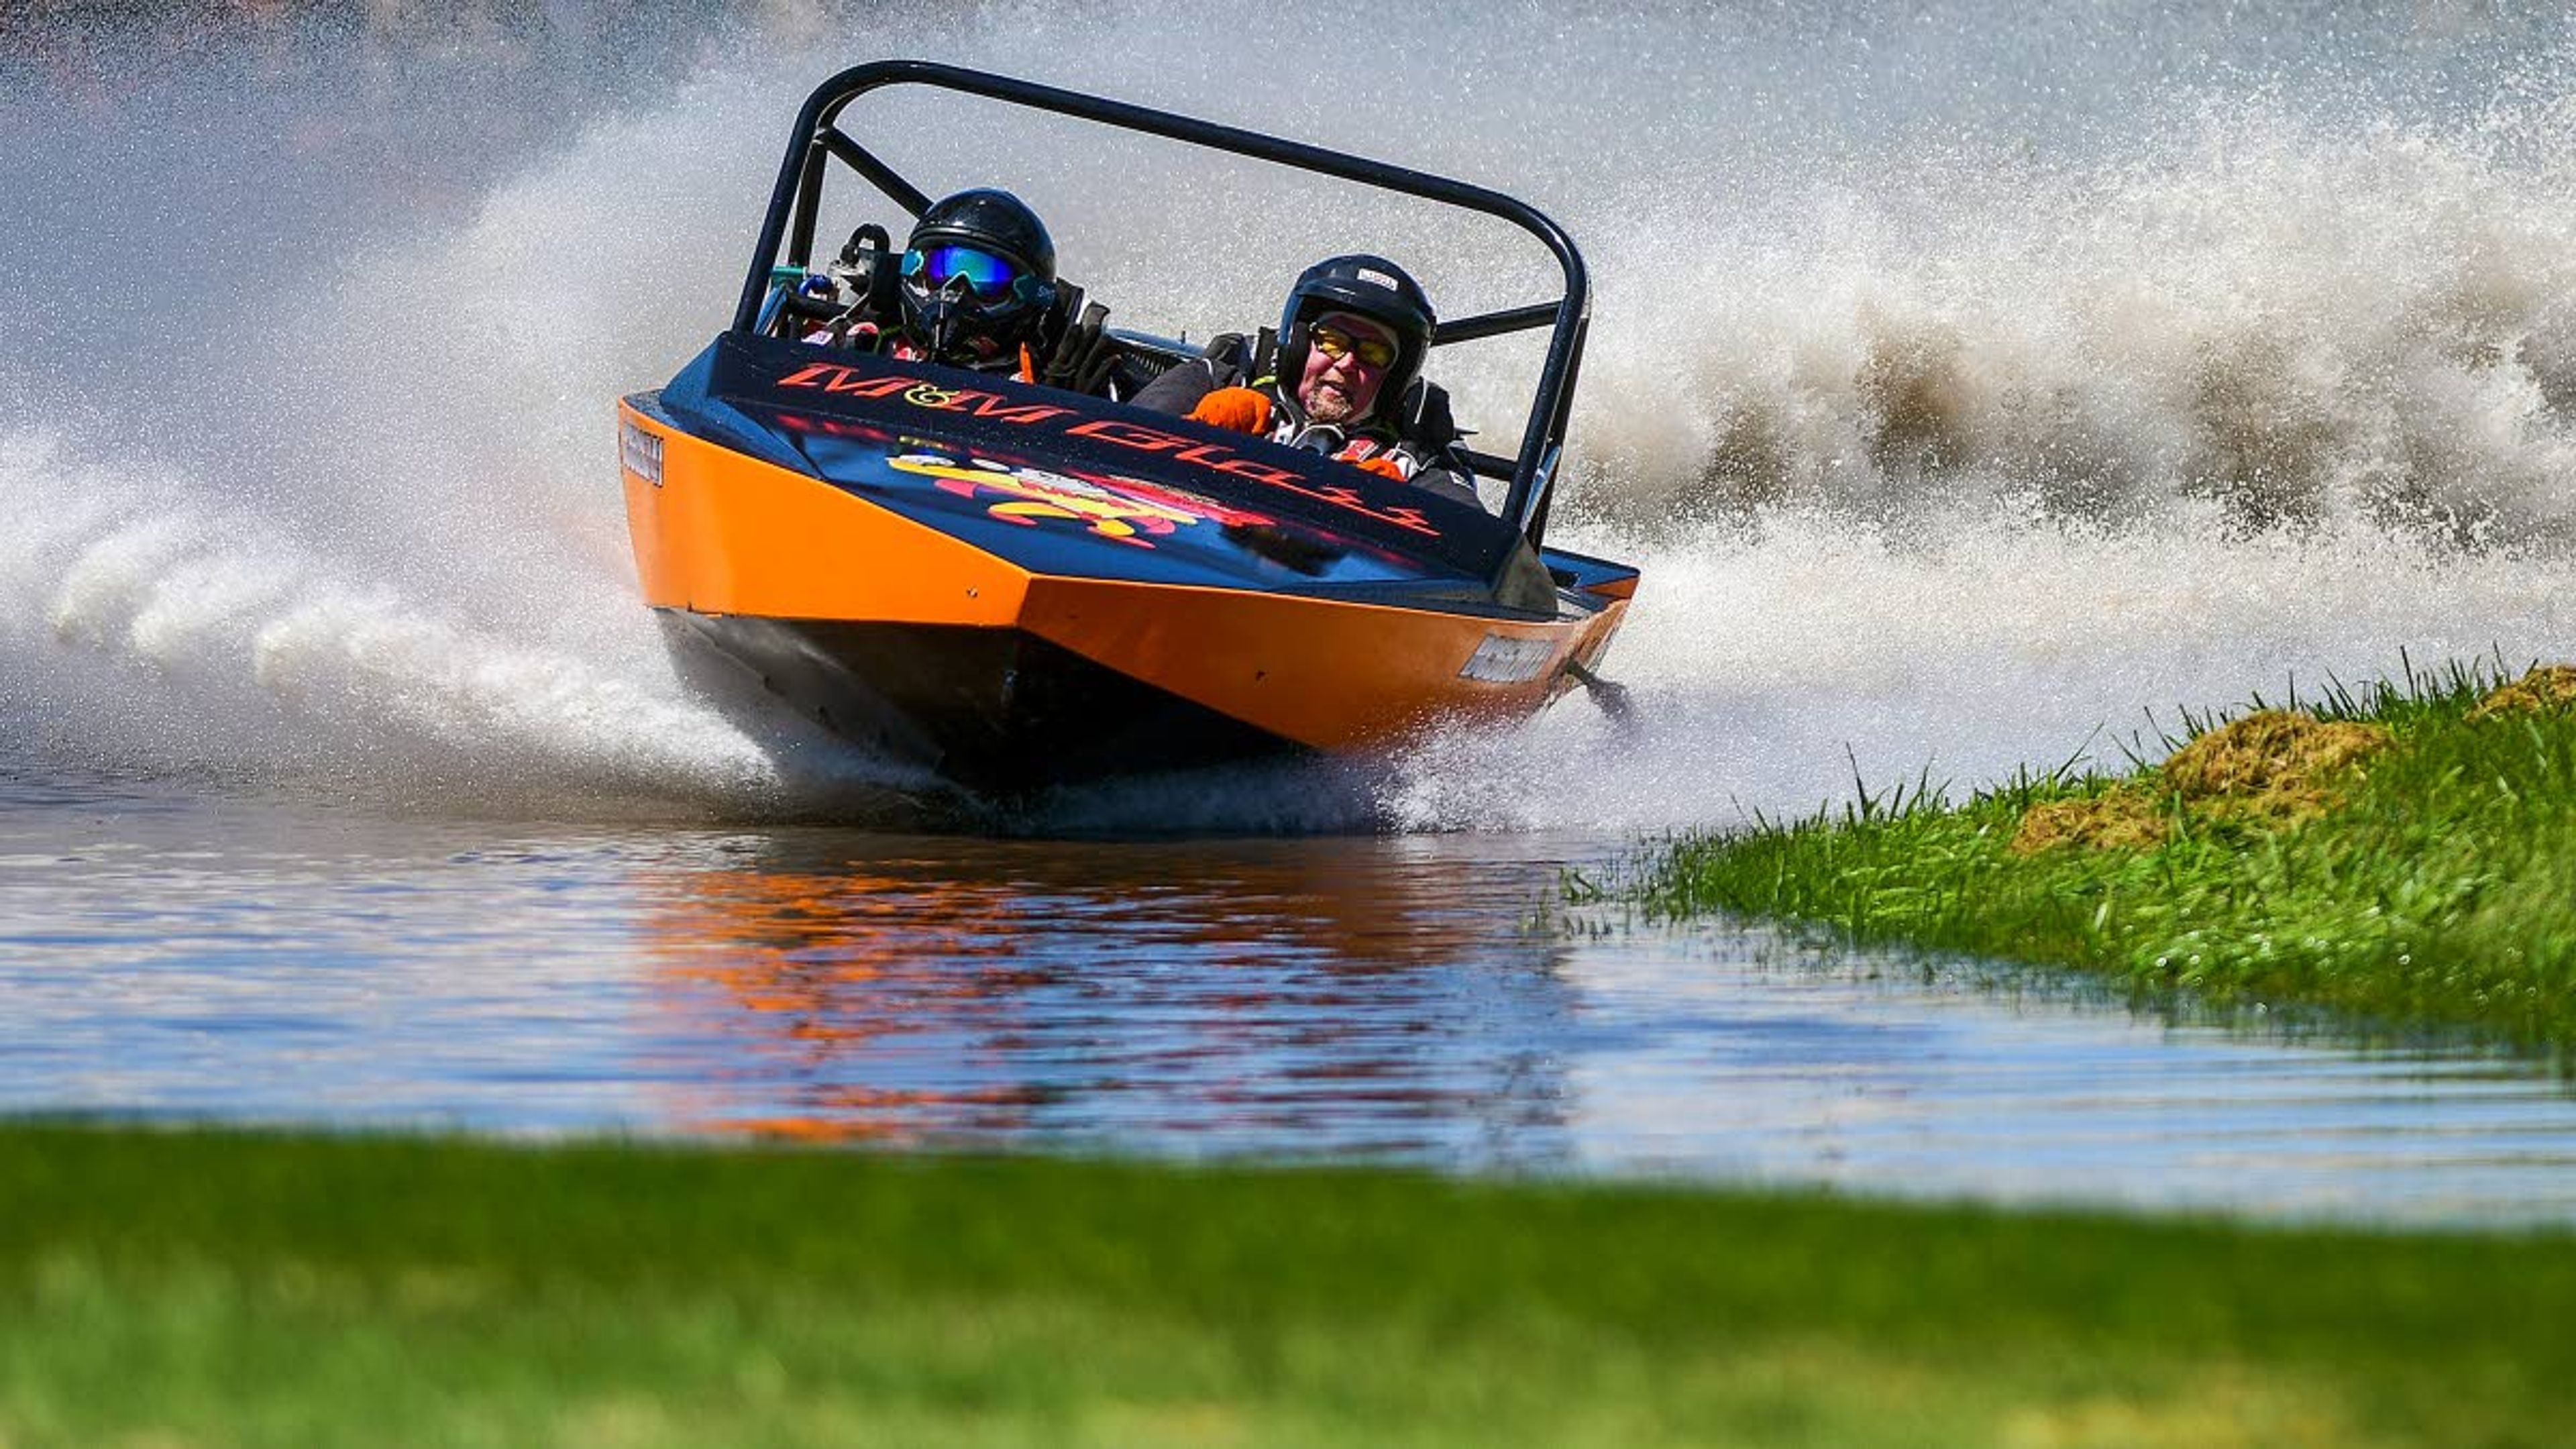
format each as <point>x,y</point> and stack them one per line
<point>1405,1000</point>
<point>1337,997</point>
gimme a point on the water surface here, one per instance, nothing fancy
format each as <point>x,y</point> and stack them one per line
<point>189,953</point>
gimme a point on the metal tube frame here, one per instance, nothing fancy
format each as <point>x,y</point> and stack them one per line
<point>795,202</point>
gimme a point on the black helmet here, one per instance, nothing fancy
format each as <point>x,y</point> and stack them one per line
<point>1364,286</point>
<point>978,275</point>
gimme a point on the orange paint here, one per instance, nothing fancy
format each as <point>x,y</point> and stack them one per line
<point>728,534</point>
<point>1323,672</point>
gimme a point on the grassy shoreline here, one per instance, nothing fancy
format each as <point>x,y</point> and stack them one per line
<point>2405,855</point>
<point>220,1288</point>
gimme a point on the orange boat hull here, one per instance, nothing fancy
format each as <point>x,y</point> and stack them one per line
<point>894,629</point>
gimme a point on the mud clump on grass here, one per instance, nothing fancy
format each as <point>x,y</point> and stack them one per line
<point>2547,689</point>
<point>2274,768</point>
<point>2271,765</point>
<point>2120,818</point>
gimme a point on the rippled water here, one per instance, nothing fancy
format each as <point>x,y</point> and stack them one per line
<point>178,953</point>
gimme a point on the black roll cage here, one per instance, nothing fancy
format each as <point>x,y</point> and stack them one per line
<point>797,198</point>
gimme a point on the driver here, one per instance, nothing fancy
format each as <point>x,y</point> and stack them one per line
<point>975,287</point>
<point>977,283</point>
<point>1343,379</point>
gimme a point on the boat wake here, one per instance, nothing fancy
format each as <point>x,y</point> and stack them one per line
<point>183,637</point>
<point>1942,447</point>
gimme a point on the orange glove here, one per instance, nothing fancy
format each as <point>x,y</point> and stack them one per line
<point>1243,409</point>
<point>1383,466</point>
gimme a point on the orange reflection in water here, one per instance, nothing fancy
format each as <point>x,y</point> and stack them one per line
<point>845,987</point>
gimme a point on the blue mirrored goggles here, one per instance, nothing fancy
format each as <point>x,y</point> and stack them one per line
<point>985,274</point>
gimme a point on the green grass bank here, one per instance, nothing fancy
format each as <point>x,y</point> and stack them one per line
<point>172,1289</point>
<point>2405,853</point>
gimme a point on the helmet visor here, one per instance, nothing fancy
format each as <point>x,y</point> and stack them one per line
<point>986,275</point>
<point>1338,341</point>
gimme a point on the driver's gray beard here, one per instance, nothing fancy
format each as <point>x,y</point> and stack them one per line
<point>1330,407</point>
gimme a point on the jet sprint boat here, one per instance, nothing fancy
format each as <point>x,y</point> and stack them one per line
<point>1022,586</point>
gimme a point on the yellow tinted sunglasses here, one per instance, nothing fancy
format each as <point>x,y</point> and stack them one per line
<point>1333,342</point>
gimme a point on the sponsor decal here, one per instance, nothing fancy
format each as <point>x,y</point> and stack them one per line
<point>1503,659</point>
<point>841,381</point>
<point>835,379</point>
<point>1127,510</point>
<point>1088,497</point>
<point>1218,458</point>
<point>639,452</point>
